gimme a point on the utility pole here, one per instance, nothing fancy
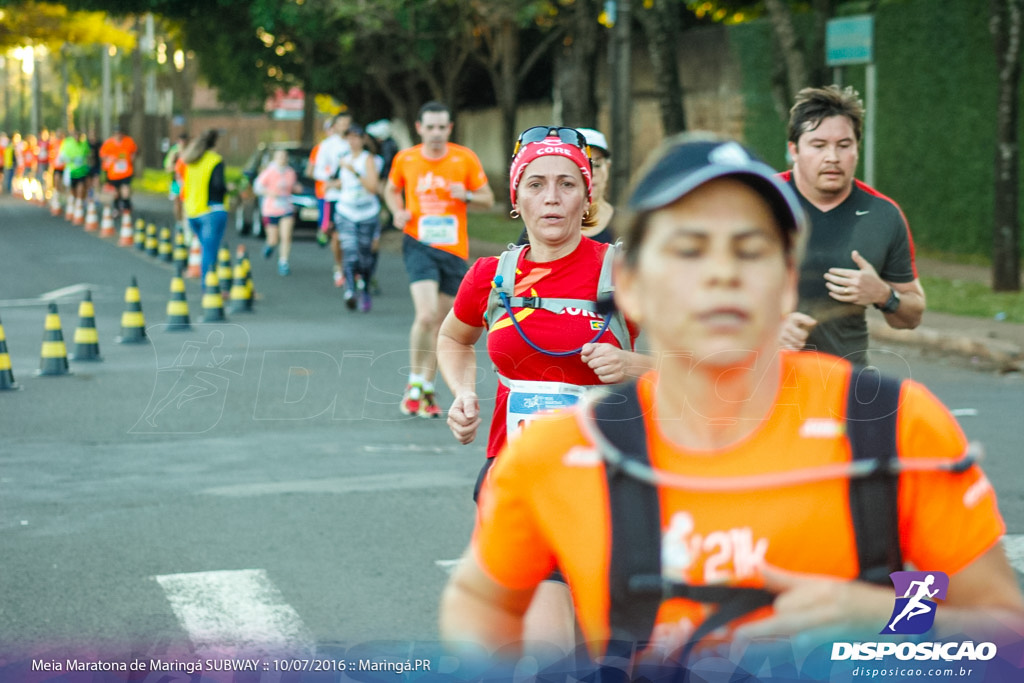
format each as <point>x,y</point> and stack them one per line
<point>619,57</point>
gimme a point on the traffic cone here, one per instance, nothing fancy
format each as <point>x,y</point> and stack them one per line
<point>87,341</point>
<point>54,355</point>
<point>195,260</point>
<point>55,205</point>
<point>165,250</point>
<point>250,291</point>
<point>79,216</point>
<point>69,211</point>
<point>224,271</point>
<point>92,221</point>
<point>6,375</point>
<point>152,243</point>
<point>177,306</point>
<point>240,301</point>
<point>139,236</point>
<point>213,302</point>
<point>133,323</point>
<point>126,236</point>
<point>180,253</point>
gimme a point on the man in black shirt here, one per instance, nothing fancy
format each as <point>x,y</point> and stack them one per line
<point>860,251</point>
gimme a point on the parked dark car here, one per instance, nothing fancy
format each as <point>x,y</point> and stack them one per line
<point>247,210</point>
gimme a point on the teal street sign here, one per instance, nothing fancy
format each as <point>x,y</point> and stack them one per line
<point>850,40</point>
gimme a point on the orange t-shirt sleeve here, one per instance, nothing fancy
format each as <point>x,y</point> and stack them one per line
<point>947,519</point>
<point>508,541</point>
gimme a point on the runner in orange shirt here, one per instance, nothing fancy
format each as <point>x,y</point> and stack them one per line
<point>429,189</point>
<point>747,468</point>
<point>117,158</point>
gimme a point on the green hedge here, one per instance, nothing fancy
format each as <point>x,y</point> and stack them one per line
<point>935,135</point>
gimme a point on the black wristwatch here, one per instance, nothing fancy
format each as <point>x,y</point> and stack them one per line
<point>892,304</point>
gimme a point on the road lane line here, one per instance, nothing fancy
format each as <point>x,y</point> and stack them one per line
<point>1014,545</point>
<point>397,481</point>
<point>236,613</point>
<point>447,566</point>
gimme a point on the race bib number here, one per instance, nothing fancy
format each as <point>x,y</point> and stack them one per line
<point>121,166</point>
<point>441,230</point>
<point>526,400</point>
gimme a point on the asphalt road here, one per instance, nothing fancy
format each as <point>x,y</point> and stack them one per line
<point>257,468</point>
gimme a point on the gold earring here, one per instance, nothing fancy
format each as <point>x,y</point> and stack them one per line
<point>513,214</point>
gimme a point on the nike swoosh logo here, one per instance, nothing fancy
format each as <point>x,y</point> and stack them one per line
<point>862,213</point>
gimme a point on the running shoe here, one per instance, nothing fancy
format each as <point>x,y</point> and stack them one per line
<point>321,238</point>
<point>283,268</point>
<point>350,299</point>
<point>339,278</point>
<point>410,405</point>
<point>428,406</point>
<point>268,251</point>
<point>365,303</point>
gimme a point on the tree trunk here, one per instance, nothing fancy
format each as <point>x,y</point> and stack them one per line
<point>138,114</point>
<point>661,24</point>
<point>789,42</point>
<point>1005,26</point>
<point>818,71</point>
<point>308,113</point>
<point>507,87</point>
<point>576,69</point>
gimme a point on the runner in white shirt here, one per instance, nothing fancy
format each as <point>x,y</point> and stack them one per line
<point>328,158</point>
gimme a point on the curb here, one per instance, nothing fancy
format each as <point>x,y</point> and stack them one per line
<point>1007,356</point>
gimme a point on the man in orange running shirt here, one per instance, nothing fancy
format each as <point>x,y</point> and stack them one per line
<point>117,158</point>
<point>429,188</point>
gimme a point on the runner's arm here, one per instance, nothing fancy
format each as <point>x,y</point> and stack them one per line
<point>456,359</point>
<point>612,364</point>
<point>477,611</point>
<point>395,200</point>
<point>482,197</point>
<point>983,596</point>
<point>912,305</point>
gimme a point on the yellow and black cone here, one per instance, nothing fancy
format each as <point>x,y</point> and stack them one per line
<point>177,306</point>
<point>152,242</point>
<point>224,271</point>
<point>54,355</point>
<point>180,253</point>
<point>165,250</point>
<point>87,340</point>
<point>6,374</point>
<point>133,323</point>
<point>213,302</point>
<point>240,301</point>
<point>139,239</point>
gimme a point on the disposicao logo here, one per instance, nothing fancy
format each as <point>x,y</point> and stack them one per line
<point>914,614</point>
<point>916,592</point>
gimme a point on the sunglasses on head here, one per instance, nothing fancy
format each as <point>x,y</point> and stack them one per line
<point>569,136</point>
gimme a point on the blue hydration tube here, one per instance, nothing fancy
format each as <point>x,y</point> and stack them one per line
<point>515,323</point>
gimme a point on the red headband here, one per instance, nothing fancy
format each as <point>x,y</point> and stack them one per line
<point>550,146</point>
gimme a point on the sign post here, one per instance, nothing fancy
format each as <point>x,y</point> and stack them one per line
<point>851,40</point>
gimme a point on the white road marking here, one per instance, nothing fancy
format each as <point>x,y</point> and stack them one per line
<point>964,412</point>
<point>371,482</point>
<point>70,293</point>
<point>1014,545</point>
<point>447,566</point>
<point>409,448</point>
<point>236,613</point>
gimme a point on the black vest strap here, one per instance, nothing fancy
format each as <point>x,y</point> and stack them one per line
<point>635,565</point>
<point>872,402</point>
<point>635,581</point>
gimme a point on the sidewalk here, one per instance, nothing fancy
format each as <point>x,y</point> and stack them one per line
<point>992,343</point>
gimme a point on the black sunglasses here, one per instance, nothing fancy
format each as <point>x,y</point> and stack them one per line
<point>569,136</point>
